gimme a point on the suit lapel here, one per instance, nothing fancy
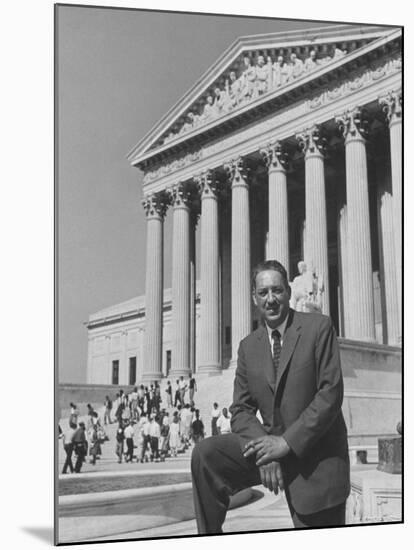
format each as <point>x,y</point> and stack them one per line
<point>290,339</point>
<point>264,356</point>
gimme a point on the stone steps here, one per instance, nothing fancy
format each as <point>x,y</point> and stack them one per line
<point>210,388</point>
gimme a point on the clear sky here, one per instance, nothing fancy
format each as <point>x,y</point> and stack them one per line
<point>118,73</point>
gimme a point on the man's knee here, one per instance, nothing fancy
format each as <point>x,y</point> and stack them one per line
<point>203,452</point>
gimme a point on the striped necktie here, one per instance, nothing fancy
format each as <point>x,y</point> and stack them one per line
<point>277,348</point>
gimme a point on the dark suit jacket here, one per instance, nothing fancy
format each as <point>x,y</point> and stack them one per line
<point>303,405</point>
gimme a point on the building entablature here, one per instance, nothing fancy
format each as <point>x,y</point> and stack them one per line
<point>364,89</point>
<point>258,99</point>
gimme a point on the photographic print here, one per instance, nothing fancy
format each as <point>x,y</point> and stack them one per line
<point>228,274</point>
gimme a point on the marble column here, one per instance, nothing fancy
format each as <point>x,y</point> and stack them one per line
<point>392,104</point>
<point>180,198</point>
<point>209,285</point>
<point>316,242</point>
<point>241,323</point>
<point>361,301</point>
<point>278,236</point>
<point>193,290</point>
<point>386,219</point>
<point>343,250</point>
<point>155,208</point>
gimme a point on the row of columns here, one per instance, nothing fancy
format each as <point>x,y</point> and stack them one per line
<point>354,232</point>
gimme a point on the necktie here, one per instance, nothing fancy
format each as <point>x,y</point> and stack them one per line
<point>277,348</point>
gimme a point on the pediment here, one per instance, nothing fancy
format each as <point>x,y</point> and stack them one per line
<point>252,71</point>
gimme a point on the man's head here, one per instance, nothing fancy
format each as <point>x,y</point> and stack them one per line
<point>271,292</point>
<point>224,412</point>
<point>260,60</point>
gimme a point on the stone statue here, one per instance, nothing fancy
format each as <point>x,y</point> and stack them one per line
<point>295,66</point>
<point>311,62</point>
<point>248,80</point>
<point>234,89</point>
<point>339,53</point>
<point>220,101</point>
<point>189,123</point>
<point>209,109</point>
<point>325,60</point>
<point>169,137</point>
<point>262,72</point>
<point>280,72</point>
<point>307,290</point>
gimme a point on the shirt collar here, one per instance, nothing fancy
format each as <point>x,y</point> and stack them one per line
<point>281,328</point>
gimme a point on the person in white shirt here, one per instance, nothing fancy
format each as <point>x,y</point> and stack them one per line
<point>146,438</point>
<point>154,433</point>
<point>174,435</point>
<point>129,438</point>
<point>223,423</point>
<point>215,413</point>
<point>186,421</point>
<point>68,446</point>
<point>183,388</point>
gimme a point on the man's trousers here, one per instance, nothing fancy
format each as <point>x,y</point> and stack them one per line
<point>220,470</point>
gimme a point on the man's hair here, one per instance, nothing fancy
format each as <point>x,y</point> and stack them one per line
<point>266,266</point>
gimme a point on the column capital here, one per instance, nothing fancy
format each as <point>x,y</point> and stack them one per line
<point>207,185</point>
<point>180,195</point>
<point>352,124</point>
<point>274,156</point>
<point>155,205</point>
<point>237,171</point>
<point>392,106</point>
<point>311,141</point>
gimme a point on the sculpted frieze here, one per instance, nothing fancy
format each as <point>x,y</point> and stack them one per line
<point>256,78</point>
<point>359,79</point>
<point>171,167</point>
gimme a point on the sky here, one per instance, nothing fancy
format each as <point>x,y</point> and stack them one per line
<point>118,72</point>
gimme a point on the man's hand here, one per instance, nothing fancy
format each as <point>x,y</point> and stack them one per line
<point>267,449</point>
<point>271,476</point>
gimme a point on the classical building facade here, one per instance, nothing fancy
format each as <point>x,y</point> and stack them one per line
<point>116,341</point>
<point>289,147</point>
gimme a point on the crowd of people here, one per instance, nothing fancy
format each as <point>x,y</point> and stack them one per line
<point>146,431</point>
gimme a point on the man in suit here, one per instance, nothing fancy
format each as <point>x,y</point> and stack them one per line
<point>288,370</point>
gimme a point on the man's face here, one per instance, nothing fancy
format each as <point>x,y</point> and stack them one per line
<point>271,297</point>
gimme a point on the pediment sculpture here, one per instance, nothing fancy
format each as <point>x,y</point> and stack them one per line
<point>254,80</point>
